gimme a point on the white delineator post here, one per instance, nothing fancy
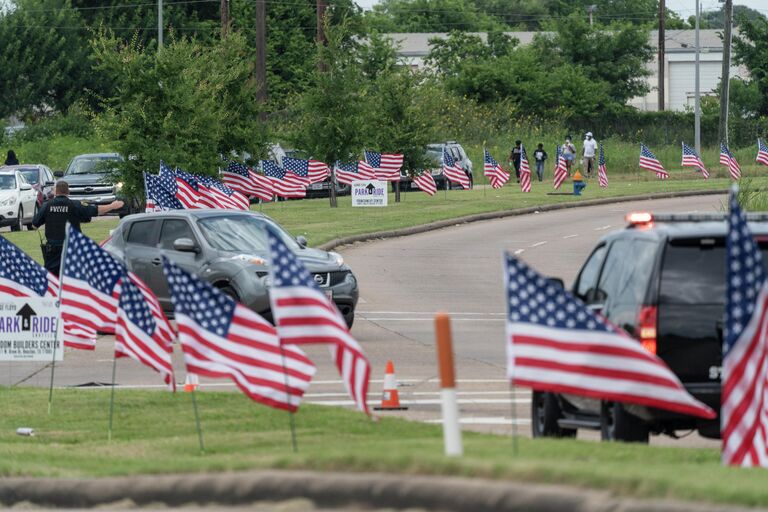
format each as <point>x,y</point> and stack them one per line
<point>451,428</point>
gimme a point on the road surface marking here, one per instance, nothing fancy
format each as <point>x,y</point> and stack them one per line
<point>519,251</point>
<point>603,228</point>
<point>538,244</point>
<point>570,236</point>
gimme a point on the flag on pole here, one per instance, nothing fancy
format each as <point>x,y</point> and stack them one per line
<point>185,193</point>
<point>21,276</point>
<point>386,165</point>
<point>453,171</point>
<point>744,416</point>
<point>525,171</point>
<point>649,161</point>
<point>304,314</point>
<point>692,159</point>
<point>762,152</point>
<point>561,170</point>
<point>309,171</point>
<point>602,174</point>
<point>90,288</point>
<point>158,197</point>
<point>142,332</point>
<point>285,184</point>
<point>215,194</point>
<point>223,339</point>
<point>354,171</point>
<point>493,171</point>
<point>426,183</point>
<point>727,159</point>
<point>245,180</point>
<point>555,343</point>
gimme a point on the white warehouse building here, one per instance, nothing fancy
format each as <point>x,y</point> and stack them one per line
<point>679,63</point>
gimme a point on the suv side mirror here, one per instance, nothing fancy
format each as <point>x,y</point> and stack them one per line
<point>596,308</point>
<point>25,186</point>
<point>185,245</point>
<point>302,241</point>
<point>58,174</point>
<point>48,184</point>
<point>557,282</point>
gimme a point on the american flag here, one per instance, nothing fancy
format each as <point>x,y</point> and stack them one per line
<point>386,165</point>
<point>561,171</point>
<point>602,174</point>
<point>744,416</point>
<point>158,197</point>
<point>21,276</point>
<point>310,171</point>
<point>215,194</point>
<point>223,339</point>
<point>493,171</point>
<point>692,159</point>
<point>727,159</point>
<point>525,171</point>
<point>453,171</point>
<point>90,288</point>
<point>285,184</point>
<point>186,193</point>
<point>555,343</point>
<point>354,171</point>
<point>304,314</point>
<point>650,162</point>
<point>243,179</point>
<point>426,183</point>
<point>762,152</point>
<point>142,331</point>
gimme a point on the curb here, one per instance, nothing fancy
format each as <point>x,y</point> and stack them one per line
<point>331,490</point>
<point>440,224</point>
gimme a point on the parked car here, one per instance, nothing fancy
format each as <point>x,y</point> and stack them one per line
<point>662,279</point>
<point>434,153</point>
<point>226,248</point>
<point>90,180</point>
<point>18,200</point>
<point>39,176</point>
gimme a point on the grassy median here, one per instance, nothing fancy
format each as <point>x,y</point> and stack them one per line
<point>314,219</point>
<point>154,432</point>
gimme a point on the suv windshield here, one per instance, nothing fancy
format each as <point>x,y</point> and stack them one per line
<point>7,182</point>
<point>242,233</point>
<point>92,165</point>
<point>31,174</point>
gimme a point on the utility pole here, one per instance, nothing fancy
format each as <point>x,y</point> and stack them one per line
<point>261,52</point>
<point>224,18</point>
<point>591,10</point>
<point>662,17</point>
<point>722,132</point>
<point>321,67</point>
<point>159,24</point>
<point>697,97</point>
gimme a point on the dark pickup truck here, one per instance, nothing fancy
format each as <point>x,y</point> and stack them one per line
<point>90,180</point>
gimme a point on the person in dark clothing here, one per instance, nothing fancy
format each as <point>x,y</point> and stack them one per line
<point>540,156</point>
<point>11,158</point>
<point>56,213</point>
<point>514,157</point>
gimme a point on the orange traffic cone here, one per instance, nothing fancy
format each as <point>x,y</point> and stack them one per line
<point>390,399</point>
<point>191,383</point>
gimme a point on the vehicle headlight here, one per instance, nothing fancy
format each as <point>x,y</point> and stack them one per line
<point>255,260</point>
<point>337,258</point>
<point>8,201</point>
<point>119,186</point>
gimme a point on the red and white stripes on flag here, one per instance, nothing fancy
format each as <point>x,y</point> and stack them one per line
<point>453,171</point>
<point>691,159</point>
<point>497,176</point>
<point>762,152</point>
<point>727,159</point>
<point>649,161</point>
<point>525,171</point>
<point>353,171</point>
<point>555,343</point>
<point>426,183</point>
<point>235,343</point>
<point>247,181</point>
<point>304,314</point>
<point>386,165</point>
<point>602,174</point>
<point>561,170</point>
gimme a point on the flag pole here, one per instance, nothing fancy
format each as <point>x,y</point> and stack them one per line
<point>291,419</point>
<point>112,397</point>
<point>55,334</point>
<point>485,178</point>
<point>197,422</point>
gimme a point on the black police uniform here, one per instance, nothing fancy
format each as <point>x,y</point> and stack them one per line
<point>55,214</point>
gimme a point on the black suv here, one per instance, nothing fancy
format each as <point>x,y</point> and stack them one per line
<point>662,279</point>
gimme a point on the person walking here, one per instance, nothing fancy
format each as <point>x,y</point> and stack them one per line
<point>569,154</point>
<point>540,156</point>
<point>514,157</point>
<point>11,159</point>
<point>589,151</point>
<point>55,214</point>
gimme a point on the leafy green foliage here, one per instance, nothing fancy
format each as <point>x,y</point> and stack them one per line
<point>430,16</point>
<point>716,18</point>
<point>189,104</point>
<point>751,50</point>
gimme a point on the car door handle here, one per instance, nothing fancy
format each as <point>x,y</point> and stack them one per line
<point>157,261</point>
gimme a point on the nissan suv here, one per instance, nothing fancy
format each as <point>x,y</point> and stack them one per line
<point>662,280</point>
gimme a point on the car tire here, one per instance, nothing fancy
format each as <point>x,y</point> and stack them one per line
<point>228,290</point>
<point>545,411</point>
<point>350,319</point>
<point>616,424</point>
<point>19,218</point>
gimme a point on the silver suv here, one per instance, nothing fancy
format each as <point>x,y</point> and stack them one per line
<point>434,152</point>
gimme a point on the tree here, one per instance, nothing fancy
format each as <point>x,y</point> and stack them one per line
<point>430,16</point>
<point>750,48</point>
<point>716,19</point>
<point>188,104</point>
<point>447,56</point>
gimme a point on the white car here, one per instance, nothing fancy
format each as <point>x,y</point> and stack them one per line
<point>18,201</point>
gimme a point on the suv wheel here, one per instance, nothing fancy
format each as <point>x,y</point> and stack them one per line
<point>228,290</point>
<point>545,411</point>
<point>616,424</point>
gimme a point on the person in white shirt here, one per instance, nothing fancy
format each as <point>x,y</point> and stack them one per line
<point>589,152</point>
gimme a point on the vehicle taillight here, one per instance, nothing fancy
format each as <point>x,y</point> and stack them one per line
<point>646,327</point>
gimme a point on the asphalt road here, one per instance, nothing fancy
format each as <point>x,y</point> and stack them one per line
<point>404,281</point>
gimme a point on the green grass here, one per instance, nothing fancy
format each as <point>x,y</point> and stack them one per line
<point>154,432</point>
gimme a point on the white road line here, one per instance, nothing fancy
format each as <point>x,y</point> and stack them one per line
<point>603,228</point>
<point>570,236</point>
<point>538,244</point>
<point>485,421</point>
<point>519,251</point>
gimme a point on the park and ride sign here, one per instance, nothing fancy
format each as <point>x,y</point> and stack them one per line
<point>30,329</point>
<point>369,193</point>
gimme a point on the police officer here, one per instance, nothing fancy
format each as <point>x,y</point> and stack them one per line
<point>56,213</point>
